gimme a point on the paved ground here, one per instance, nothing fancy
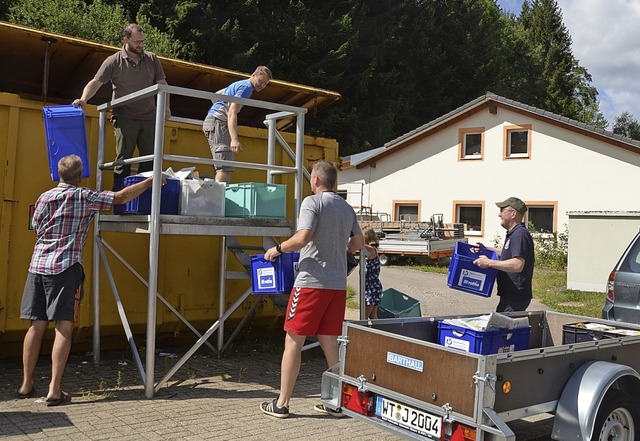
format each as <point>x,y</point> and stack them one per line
<point>208,398</point>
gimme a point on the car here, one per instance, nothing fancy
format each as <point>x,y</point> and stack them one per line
<point>623,287</point>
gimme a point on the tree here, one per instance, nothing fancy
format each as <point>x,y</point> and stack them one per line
<point>627,125</point>
<point>97,21</point>
<point>564,87</point>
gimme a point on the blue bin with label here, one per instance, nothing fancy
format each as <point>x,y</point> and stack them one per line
<point>66,134</point>
<point>463,275</point>
<point>483,342</point>
<point>275,277</point>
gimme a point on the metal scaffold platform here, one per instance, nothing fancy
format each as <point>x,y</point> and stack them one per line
<point>156,224</point>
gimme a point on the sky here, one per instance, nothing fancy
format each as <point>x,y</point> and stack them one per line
<point>605,36</point>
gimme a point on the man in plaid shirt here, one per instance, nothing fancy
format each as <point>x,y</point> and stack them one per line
<point>53,289</point>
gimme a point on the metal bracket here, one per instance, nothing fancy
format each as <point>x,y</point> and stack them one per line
<point>447,411</point>
<point>490,379</point>
<point>362,386</point>
<point>343,340</point>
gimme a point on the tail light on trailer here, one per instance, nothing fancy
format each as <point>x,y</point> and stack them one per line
<point>353,399</point>
<point>464,433</point>
<point>610,284</point>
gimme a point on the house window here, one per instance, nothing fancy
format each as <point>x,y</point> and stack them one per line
<point>469,213</point>
<point>471,143</point>
<point>541,217</point>
<point>408,211</point>
<point>517,141</point>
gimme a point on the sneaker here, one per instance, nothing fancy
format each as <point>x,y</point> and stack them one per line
<point>271,408</point>
<point>324,409</point>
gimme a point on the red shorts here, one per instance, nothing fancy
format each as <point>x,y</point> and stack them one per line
<point>313,311</point>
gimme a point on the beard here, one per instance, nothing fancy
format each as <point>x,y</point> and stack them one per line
<point>134,50</point>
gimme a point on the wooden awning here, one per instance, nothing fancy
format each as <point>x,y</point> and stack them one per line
<point>55,68</point>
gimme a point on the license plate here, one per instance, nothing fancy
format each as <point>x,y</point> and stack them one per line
<point>409,418</point>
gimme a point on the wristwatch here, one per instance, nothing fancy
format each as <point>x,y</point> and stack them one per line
<point>278,249</point>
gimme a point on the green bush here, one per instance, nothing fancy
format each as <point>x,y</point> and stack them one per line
<point>551,250</point>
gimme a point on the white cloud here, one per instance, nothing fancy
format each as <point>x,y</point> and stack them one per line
<point>605,35</point>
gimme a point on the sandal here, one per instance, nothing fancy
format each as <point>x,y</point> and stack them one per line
<point>271,408</point>
<point>29,394</point>
<point>63,399</point>
<point>324,409</point>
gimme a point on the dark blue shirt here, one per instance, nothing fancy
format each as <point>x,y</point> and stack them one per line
<point>518,243</point>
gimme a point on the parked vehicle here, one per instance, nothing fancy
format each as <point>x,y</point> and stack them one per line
<point>623,288</point>
<point>423,241</point>
<point>397,374</point>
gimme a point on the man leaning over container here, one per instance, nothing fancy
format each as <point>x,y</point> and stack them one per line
<point>318,298</point>
<point>220,126</point>
<point>515,267</point>
<point>131,69</point>
<point>53,289</point>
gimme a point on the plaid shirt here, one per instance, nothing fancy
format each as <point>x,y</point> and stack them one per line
<point>61,220</point>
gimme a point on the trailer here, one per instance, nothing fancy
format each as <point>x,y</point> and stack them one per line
<point>432,240</point>
<point>395,374</point>
<point>391,248</point>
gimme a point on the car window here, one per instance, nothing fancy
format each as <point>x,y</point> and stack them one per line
<point>632,262</point>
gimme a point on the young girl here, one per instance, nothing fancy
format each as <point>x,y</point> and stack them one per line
<point>372,285</point>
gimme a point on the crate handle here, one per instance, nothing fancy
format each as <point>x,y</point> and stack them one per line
<point>458,333</point>
<point>54,144</point>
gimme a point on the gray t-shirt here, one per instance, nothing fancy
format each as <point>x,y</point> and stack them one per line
<point>323,261</point>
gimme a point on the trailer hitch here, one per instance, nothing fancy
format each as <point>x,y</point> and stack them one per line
<point>490,379</point>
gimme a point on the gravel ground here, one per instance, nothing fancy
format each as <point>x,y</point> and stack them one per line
<point>431,289</point>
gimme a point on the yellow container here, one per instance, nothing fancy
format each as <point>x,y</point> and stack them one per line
<point>189,268</point>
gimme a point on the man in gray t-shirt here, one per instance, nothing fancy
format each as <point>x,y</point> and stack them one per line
<point>327,228</point>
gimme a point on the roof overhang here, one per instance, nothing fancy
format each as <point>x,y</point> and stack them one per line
<point>55,68</point>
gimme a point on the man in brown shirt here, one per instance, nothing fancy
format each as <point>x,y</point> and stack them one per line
<point>129,70</point>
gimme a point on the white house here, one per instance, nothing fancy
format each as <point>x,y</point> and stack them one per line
<point>492,148</point>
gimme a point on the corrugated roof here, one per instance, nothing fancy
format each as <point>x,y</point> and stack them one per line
<point>486,102</point>
<point>73,62</point>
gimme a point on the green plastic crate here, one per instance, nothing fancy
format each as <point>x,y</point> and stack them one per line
<point>395,304</point>
<point>255,199</point>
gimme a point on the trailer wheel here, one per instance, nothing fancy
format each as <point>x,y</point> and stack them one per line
<point>617,418</point>
<point>384,259</point>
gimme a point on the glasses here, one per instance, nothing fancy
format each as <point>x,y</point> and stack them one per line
<point>502,210</point>
<point>137,42</point>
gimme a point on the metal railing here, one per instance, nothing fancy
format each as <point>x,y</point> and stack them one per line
<point>161,92</point>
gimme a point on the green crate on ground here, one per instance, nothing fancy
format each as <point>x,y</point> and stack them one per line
<point>395,304</point>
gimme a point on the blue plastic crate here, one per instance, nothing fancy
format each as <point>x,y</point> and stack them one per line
<point>169,197</point>
<point>483,342</point>
<point>275,277</point>
<point>395,304</point>
<point>255,199</point>
<point>66,134</point>
<point>463,275</point>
